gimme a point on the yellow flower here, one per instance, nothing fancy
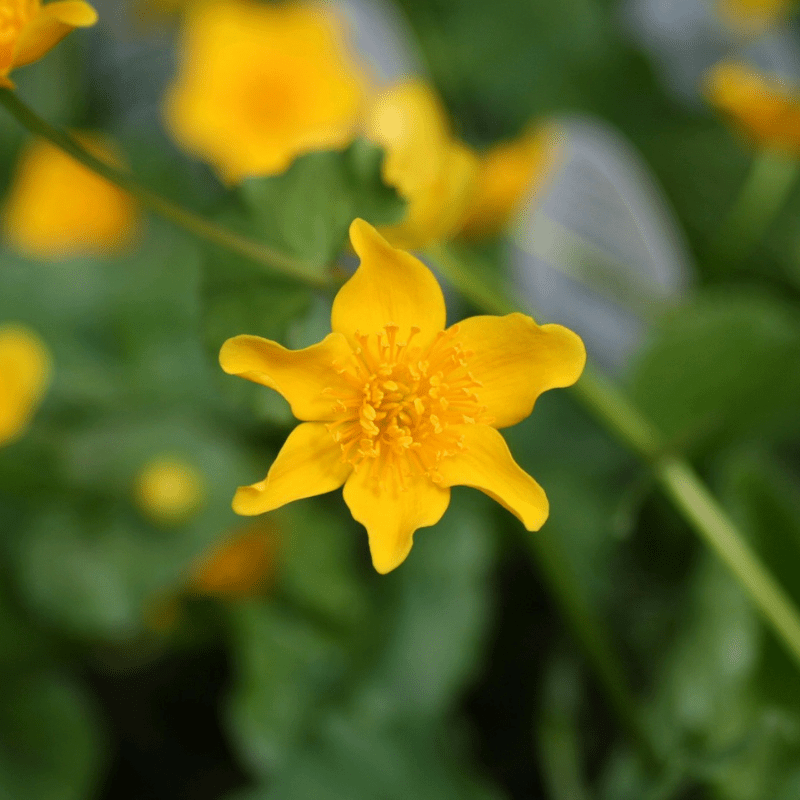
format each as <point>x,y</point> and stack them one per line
<point>241,566</point>
<point>58,208</point>
<point>763,107</point>
<point>24,375</point>
<point>433,172</point>
<point>508,172</point>
<point>169,490</point>
<point>29,29</point>
<point>751,16</point>
<point>398,409</point>
<point>260,84</point>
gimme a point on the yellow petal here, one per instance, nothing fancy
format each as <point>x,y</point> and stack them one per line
<point>486,464</point>
<point>301,376</point>
<point>391,515</point>
<point>53,22</point>
<point>516,360</point>
<point>24,375</point>
<point>309,463</point>
<point>389,287</point>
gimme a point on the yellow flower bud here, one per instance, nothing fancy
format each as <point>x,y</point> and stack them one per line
<point>169,490</point>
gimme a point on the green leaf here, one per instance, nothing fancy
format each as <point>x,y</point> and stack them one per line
<point>723,366</point>
<point>50,745</point>
<point>306,211</point>
<point>92,560</point>
<point>435,626</point>
<point>351,759</point>
<point>286,670</point>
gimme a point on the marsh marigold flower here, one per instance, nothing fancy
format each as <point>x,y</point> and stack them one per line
<point>430,169</point>
<point>57,208</point>
<point>169,490</point>
<point>507,173</point>
<point>24,374</point>
<point>398,409</point>
<point>763,107</point>
<point>29,29</point>
<point>261,83</point>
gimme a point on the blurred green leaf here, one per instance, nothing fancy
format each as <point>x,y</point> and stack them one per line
<point>306,211</point>
<point>350,759</point>
<point>92,559</point>
<point>723,366</point>
<point>430,635</point>
<point>287,669</point>
<point>50,744</point>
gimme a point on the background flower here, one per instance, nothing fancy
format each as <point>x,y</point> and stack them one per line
<point>259,84</point>
<point>57,208</point>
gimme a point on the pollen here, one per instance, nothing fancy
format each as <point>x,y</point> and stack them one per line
<point>402,416</point>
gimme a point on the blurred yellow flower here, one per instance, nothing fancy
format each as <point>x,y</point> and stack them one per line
<point>763,107</point>
<point>29,29</point>
<point>169,490</point>
<point>259,84</point>
<point>24,375</point>
<point>430,169</point>
<point>508,172</point>
<point>751,16</point>
<point>398,409</point>
<point>58,208</point>
<point>241,566</point>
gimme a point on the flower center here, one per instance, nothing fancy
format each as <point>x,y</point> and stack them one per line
<point>14,14</point>
<point>399,419</point>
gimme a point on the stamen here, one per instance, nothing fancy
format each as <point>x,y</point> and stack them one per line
<point>396,415</point>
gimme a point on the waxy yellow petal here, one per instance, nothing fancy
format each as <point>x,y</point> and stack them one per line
<point>301,376</point>
<point>487,464</point>
<point>389,287</point>
<point>53,22</point>
<point>309,463</point>
<point>391,514</point>
<point>516,360</point>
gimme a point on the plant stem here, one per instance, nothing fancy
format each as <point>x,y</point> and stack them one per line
<point>675,475</point>
<point>241,245</point>
<point>764,192</point>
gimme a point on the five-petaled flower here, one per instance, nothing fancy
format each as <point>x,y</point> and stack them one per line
<point>397,408</point>
<point>29,29</point>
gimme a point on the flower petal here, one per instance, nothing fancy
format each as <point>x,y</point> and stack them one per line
<point>487,464</point>
<point>309,463</point>
<point>301,376</point>
<point>53,22</point>
<point>391,515</point>
<point>389,287</point>
<point>516,360</point>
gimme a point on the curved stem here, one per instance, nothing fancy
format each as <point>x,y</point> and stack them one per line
<point>764,192</point>
<point>675,475</point>
<point>241,245</point>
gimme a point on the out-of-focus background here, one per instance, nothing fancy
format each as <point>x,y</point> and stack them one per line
<point>627,169</point>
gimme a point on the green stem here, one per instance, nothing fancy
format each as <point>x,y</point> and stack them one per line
<point>764,192</point>
<point>272,259</point>
<point>676,477</point>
